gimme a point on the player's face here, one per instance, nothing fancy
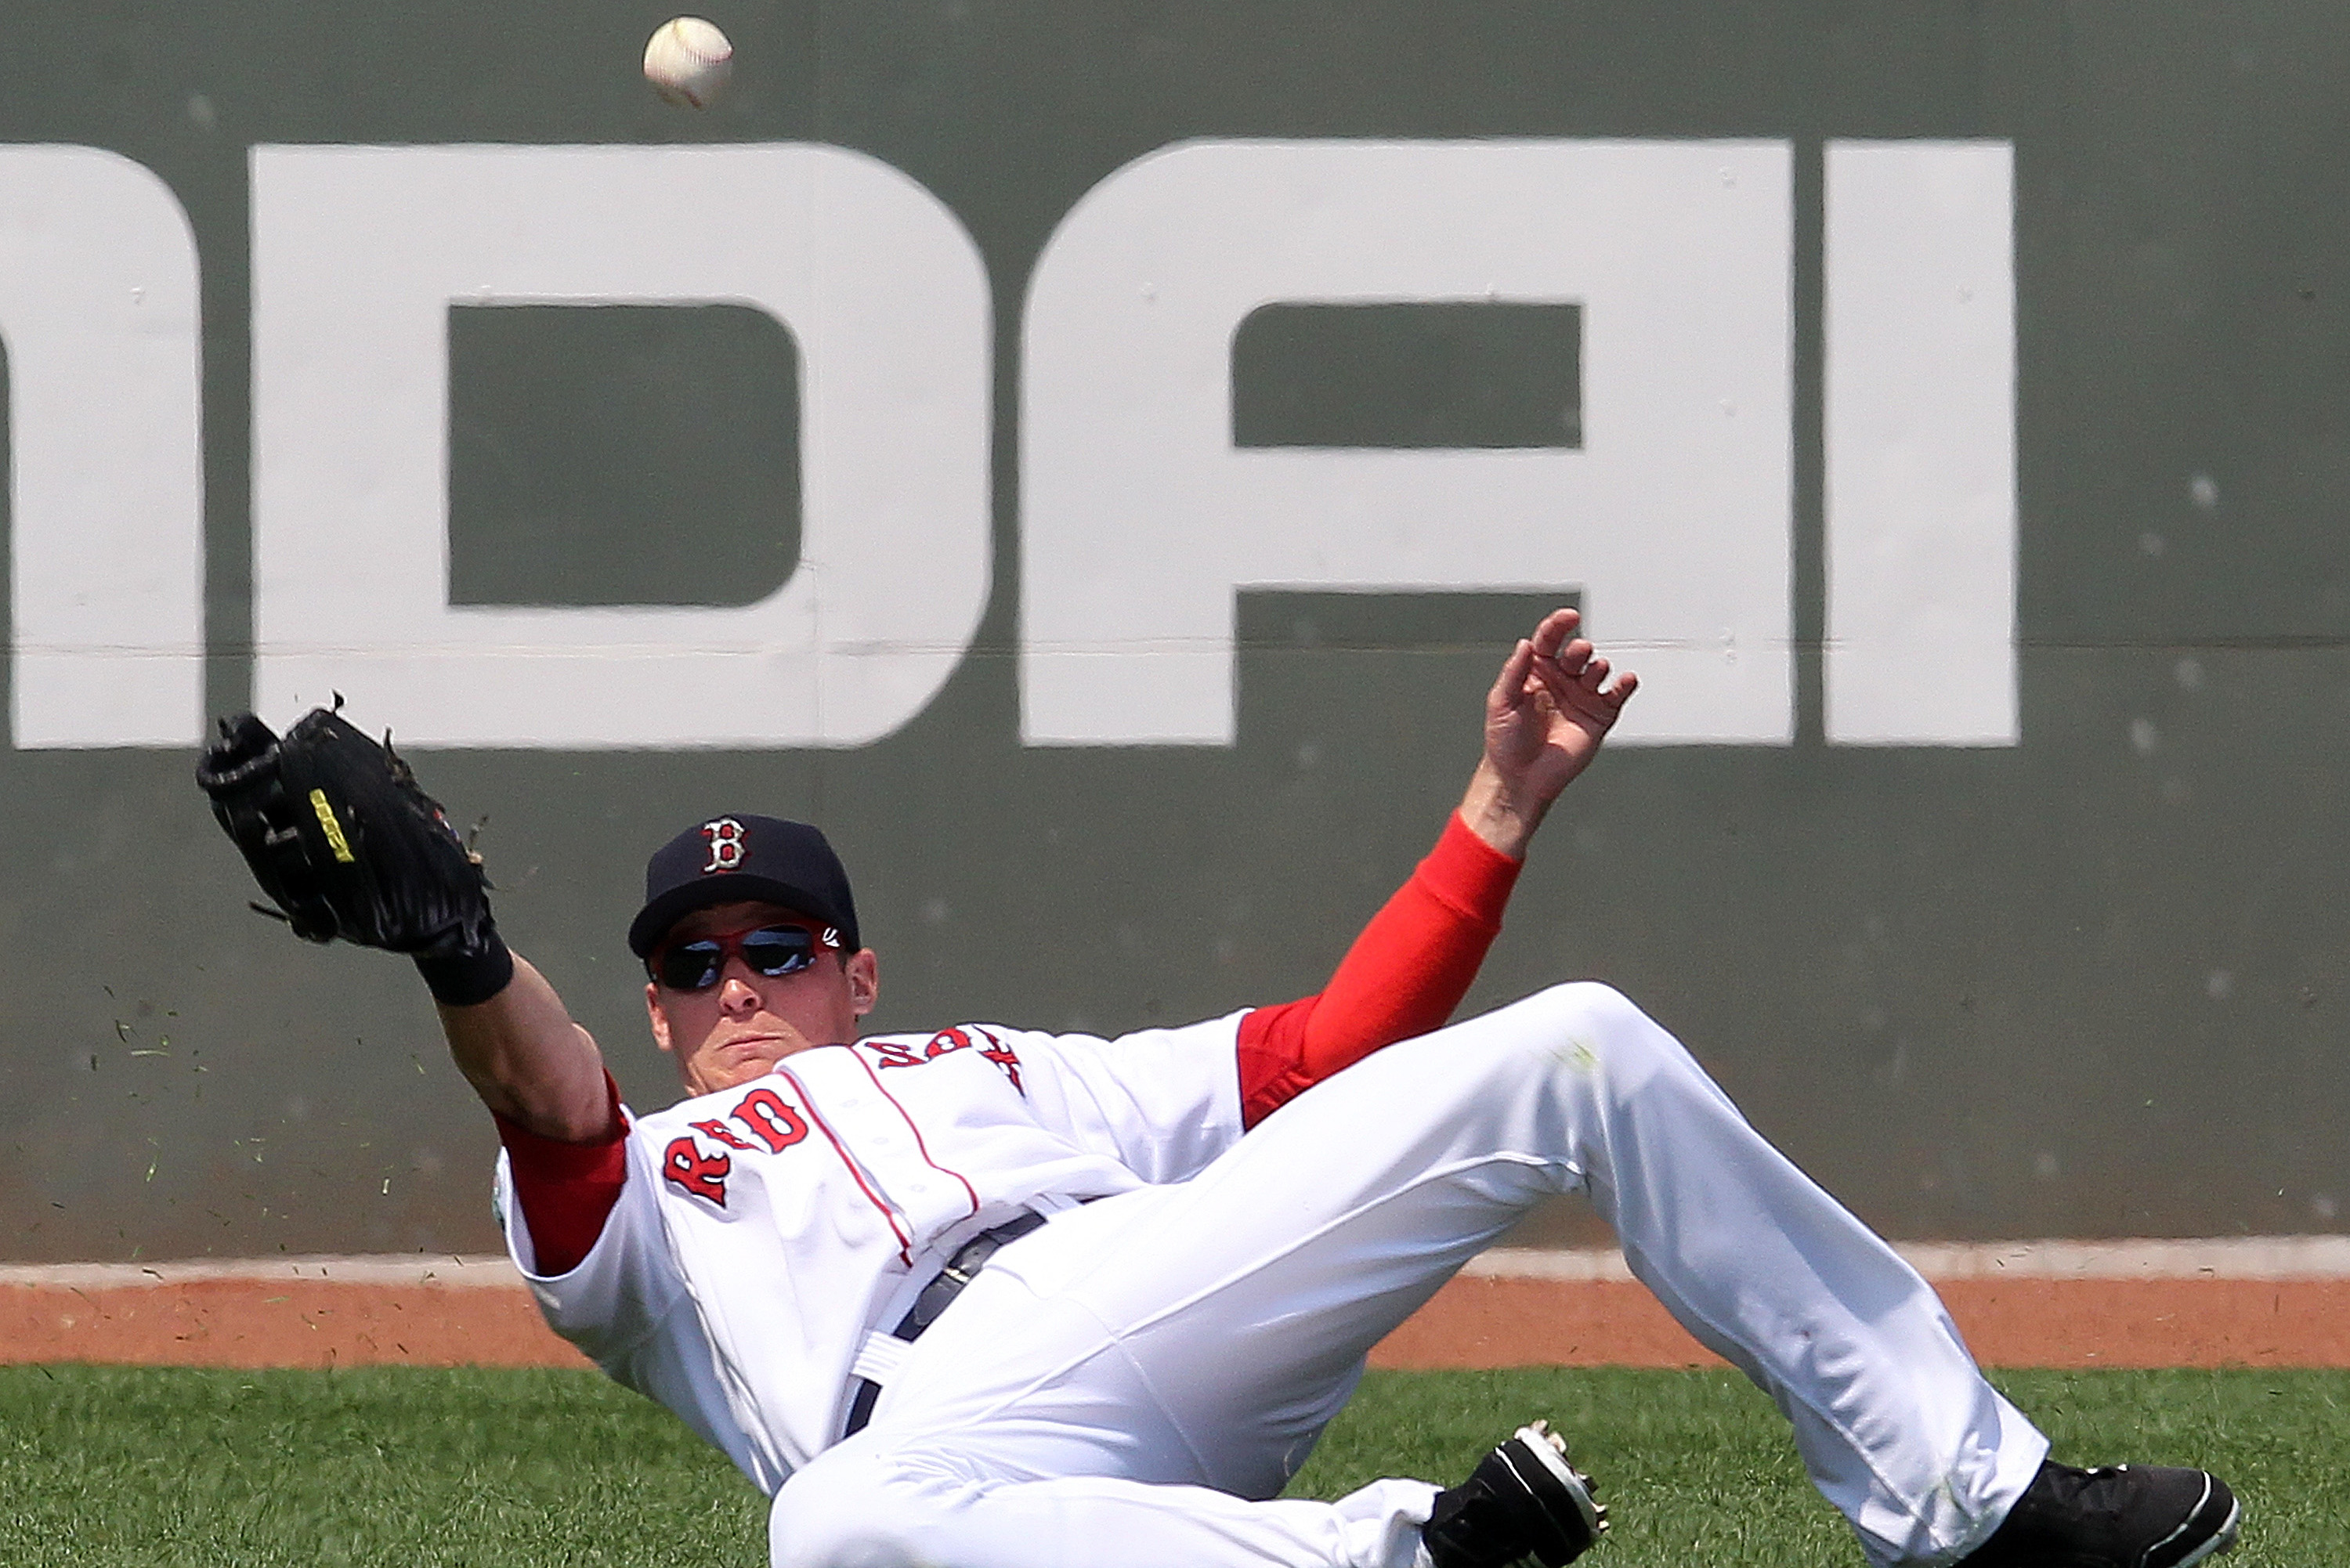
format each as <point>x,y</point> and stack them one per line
<point>738,1029</point>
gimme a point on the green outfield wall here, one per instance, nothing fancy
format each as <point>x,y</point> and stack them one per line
<point>1091,456</point>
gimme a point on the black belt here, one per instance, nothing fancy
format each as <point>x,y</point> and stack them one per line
<point>969,1258</point>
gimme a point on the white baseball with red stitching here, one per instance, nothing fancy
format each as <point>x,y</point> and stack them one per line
<point>688,60</point>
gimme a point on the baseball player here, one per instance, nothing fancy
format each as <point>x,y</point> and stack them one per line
<point>993,1298</point>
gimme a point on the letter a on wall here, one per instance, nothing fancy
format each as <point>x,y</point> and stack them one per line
<point>1142,519</point>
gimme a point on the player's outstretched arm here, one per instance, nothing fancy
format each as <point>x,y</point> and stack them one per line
<point>530,1062</point>
<point>1549,710</point>
<point>1545,718</point>
<point>348,847</point>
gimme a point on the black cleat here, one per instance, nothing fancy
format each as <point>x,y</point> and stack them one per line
<point>1522,1503</point>
<point>2121,1516</point>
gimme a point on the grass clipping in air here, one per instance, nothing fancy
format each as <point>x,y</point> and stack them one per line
<point>413,1469</point>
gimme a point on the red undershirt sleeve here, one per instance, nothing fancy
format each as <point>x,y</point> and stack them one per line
<point>1403,977</point>
<point>566,1190</point>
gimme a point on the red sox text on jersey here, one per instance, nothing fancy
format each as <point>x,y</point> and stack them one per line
<point>765,1231</point>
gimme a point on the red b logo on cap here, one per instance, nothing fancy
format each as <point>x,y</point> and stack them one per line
<point>726,847</point>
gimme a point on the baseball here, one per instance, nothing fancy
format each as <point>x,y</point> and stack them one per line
<point>688,61</point>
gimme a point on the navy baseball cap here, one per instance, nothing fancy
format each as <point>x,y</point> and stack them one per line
<point>742,856</point>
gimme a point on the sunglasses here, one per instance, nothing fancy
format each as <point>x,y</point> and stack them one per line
<point>768,950</point>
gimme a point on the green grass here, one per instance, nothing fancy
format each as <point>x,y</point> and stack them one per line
<point>1697,1468</point>
<point>415,1470</point>
<point>390,1466</point>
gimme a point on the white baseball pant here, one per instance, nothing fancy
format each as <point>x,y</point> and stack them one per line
<point>1130,1382</point>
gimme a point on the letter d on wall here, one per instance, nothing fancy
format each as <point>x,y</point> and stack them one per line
<point>359,252</point>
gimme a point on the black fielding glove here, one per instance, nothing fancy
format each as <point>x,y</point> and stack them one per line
<point>345,844</point>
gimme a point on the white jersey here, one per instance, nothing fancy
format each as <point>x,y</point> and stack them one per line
<point>767,1236</point>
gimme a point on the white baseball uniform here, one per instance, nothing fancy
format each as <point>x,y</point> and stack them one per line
<point>1140,1375</point>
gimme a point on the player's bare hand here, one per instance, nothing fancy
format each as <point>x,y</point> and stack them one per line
<point>1549,710</point>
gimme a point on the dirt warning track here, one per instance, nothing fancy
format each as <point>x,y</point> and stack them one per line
<point>2256,1301</point>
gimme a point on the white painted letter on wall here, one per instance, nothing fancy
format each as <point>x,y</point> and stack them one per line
<point>1140,521</point>
<point>1920,434</point>
<point>99,306</point>
<point>357,255</point>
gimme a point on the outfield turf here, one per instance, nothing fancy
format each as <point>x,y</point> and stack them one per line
<point>419,1469</point>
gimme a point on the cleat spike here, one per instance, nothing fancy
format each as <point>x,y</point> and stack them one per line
<point>1523,1505</point>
